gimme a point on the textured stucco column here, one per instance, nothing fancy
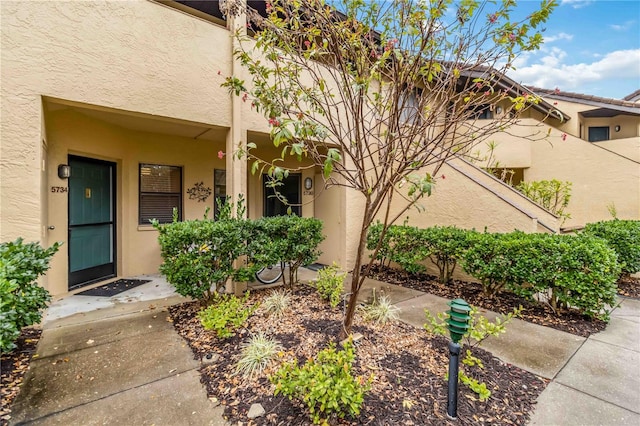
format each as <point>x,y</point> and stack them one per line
<point>237,136</point>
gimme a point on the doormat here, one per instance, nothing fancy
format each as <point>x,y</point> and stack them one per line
<point>111,289</point>
<point>316,266</point>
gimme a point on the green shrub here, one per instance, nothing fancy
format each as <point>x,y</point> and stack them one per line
<point>624,237</point>
<point>287,239</point>
<point>21,298</point>
<point>325,384</point>
<point>199,256</point>
<point>493,259</point>
<point>553,195</point>
<point>225,314</point>
<point>446,245</point>
<point>403,245</point>
<point>410,247</point>
<point>571,272</point>
<point>330,284</point>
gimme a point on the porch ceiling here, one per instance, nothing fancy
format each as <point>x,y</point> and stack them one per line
<point>143,122</point>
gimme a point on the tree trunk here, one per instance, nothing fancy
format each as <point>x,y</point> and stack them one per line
<point>356,281</point>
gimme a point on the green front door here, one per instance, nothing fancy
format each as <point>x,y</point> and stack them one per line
<point>91,221</point>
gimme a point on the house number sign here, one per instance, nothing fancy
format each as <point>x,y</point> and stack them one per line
<point>59,189</point>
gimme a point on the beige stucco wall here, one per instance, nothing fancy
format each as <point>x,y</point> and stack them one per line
<point>135,55</point>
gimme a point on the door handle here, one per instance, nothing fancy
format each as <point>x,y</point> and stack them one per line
<point>51,227</point>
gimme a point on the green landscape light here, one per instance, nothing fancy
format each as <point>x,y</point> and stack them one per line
<point>458,321</point>
<point>458,325</point>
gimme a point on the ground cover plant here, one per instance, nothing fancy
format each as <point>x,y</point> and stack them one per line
<point>405,365</point>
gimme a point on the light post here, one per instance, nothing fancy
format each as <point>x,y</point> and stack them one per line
<point>458,324</point>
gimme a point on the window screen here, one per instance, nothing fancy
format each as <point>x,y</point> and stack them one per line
<point>160,193</point>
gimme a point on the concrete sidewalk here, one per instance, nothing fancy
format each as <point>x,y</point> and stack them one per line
<point>120,364</point>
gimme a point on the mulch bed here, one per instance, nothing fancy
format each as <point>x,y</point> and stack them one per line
<point>408,364</point>
<point>13,366</point>
<point>629,287</point>
<point>570,321</point>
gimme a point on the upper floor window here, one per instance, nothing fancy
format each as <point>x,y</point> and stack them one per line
<point>482,112</point>
<point>160,193</point>
<point>410,106</point>
<point>597,134</point>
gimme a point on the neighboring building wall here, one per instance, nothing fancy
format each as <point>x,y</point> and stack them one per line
<point>600,179</point>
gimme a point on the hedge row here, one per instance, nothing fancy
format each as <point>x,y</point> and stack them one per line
<point>624,237</point>
<point>199,256</point>
<point>577,271</point>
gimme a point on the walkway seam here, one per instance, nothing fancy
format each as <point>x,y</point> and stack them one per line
<point>595,397</point>
<point>107,396</point>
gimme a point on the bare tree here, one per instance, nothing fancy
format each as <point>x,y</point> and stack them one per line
<point>381,94</point>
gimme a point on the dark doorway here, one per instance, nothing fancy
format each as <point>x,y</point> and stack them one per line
<point>289,188</point>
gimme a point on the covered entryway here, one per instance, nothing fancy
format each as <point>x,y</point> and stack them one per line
<point>91,221</point>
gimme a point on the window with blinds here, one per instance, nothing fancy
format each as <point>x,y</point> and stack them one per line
<point>160,193</point>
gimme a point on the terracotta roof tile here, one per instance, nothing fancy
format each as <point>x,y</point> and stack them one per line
<point>579,96</point>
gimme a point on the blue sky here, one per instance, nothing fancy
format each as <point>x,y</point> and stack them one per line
<point>591,47</point>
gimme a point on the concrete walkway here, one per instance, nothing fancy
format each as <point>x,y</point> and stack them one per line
<point>119,361</point>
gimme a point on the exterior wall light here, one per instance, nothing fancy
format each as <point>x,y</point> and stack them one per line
<point>617,128</point>
<point>498,110</point>
<point>308,183</point>
<point>64,171</point>
<point>458,325</point>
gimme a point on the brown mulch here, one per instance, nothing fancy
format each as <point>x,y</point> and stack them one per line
<point>408,365</point>
<point>629,287</point>
<point>13,366</point>
<point>570,321</point>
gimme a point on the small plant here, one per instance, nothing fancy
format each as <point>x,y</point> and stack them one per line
<point>553,195</point>
<point>325,384</point>
<point>256,355</point>
<point>381,311</point>
<point>21,298</point>
<point>480,328</point>
<point>226,314</point>
<point>330,284</point>
<point>277,303</point>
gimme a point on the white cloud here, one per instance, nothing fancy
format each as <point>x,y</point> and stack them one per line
<point>622,27</point>
<point>577,4</point>
<point>550,71</point>
<point>560,36</point>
